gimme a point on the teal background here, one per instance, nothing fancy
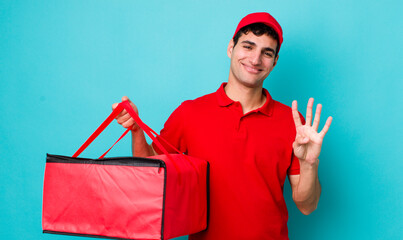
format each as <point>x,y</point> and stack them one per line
<point>63,63</point>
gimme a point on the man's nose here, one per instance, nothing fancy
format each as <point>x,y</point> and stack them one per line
<point>256,58</point>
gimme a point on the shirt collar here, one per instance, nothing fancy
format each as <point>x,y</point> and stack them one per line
<point>224,100</point>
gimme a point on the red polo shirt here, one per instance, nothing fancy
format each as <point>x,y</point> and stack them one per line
<point>250,156</point>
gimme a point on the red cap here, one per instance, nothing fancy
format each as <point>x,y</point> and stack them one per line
<point>262,17</point>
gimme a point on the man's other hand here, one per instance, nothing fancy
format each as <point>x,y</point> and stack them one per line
<point>124,117</point>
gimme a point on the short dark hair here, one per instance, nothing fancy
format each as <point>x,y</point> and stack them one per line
<point>258,29</point>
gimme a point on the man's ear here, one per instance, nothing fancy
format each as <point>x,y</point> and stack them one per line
<point>275,60</point>
<point>230,48</point>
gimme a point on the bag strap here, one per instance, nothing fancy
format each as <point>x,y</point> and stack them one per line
<point>150,133</point>
<point>100,129</point>
<point>147,129</point>
<point>124,134</point>
<point>125,105</point>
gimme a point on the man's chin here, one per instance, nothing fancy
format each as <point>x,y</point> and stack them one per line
<point>252,84</point>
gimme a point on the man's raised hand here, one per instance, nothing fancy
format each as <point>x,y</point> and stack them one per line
<point>308,141</point>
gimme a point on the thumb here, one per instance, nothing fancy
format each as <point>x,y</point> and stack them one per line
<point>124,98</point>
<point>298,143</point>
<point>301,140</point>
<point>114,105</point>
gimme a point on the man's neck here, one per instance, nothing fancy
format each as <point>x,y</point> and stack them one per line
<point>249,98</point>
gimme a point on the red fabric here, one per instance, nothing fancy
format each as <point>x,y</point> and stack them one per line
<point>185,210</point>
<point>262,17</point>
<point>125,201</point>
<point>103,200</point>
<point>250,156</point>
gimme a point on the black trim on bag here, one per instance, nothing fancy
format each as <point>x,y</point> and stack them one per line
<point>120,161</point>
<point>83,235</point>
<point>125,161</point>
<point>163,205</point>
<point>208,194</point>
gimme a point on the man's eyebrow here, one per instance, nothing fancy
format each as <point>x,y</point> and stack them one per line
<point>249,42</point>
<point>254,44</point>
<point>270,50</point>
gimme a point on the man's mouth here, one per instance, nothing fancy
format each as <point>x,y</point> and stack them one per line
<point>251,69</point>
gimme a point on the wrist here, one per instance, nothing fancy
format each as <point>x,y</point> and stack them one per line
<point>309,163</point>
<point>136,130</point>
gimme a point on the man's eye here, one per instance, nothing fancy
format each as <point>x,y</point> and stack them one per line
<point>247,47</point>
<point>269,54</point>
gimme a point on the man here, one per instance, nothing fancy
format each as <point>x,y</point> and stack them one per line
<point>251,141</point>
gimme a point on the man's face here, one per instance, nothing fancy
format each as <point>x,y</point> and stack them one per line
<point>252,59</point>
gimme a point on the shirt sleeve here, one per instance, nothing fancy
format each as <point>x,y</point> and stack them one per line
<point>294,168</point>
<point>173,132</point>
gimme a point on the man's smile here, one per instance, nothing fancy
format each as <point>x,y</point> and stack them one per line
<point>252,70</point>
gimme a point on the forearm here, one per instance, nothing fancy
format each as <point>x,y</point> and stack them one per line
<point>140,147</point>
<point>307,194</point>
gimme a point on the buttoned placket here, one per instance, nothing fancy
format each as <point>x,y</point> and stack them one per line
<point>240,124</point>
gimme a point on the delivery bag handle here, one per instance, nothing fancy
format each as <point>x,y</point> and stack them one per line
<point>125,105</point>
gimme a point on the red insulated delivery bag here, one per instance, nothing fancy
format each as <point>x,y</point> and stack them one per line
<point>159,197</point>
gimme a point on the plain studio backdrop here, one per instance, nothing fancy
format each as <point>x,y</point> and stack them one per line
<point>63,64</point>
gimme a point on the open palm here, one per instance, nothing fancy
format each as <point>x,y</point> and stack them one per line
<point>308,141</point>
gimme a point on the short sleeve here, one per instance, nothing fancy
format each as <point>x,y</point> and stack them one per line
<point>294,168</point>
<point>173,132</point>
